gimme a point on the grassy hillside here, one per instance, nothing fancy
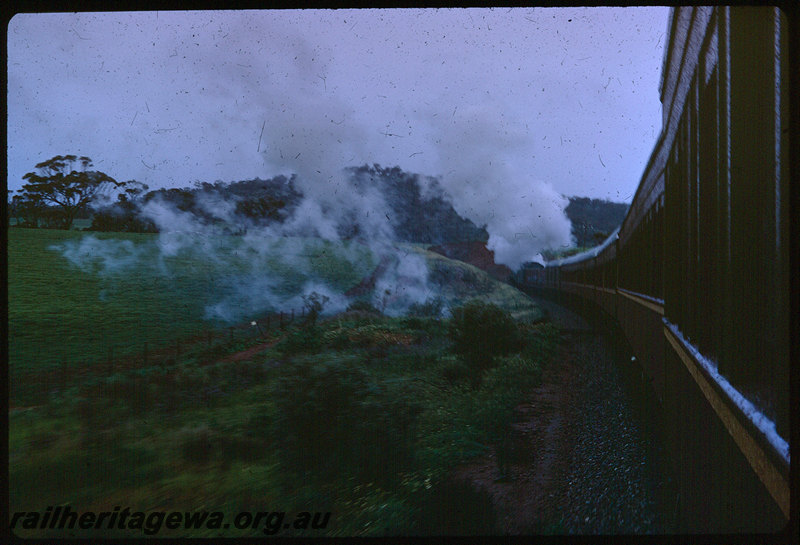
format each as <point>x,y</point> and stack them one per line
<point>125,296</point>
<point>459,282</point>
<point>359,414</point>
<point>59,312</point>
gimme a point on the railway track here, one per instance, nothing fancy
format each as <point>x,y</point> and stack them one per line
<point>697,278</point>
<point>583,459</point>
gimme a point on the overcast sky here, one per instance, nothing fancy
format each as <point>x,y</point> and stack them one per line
<point>568,95</point>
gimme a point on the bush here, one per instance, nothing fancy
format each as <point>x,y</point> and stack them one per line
<point>432,308</point>
<point>480,331</point>
<point>305,339</point>
<point>368,336</point>
<point>389,432</point>
<point>332,420</point>
<point>516,373</point>
<point>200,445</point>
<point>457,507</point>
<point>362,306</point>
<point>454,370</point>
<point>196,444</point>
<point>317,402</point>
<point>541,340</point>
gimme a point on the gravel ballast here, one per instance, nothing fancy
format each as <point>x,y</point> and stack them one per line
<point>587,459</point>
<point>615,482</point>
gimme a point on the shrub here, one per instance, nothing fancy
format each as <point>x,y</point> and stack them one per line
<point>196,444</point>
<point>332,420</point>
<point>432,308</point>
<point>457,507</point>
<point>201,444</point>
<point>386,446</point>
<point>362,306</point>
<point>379,335</point>
<point>516,373</point>
<point>300,340</point>
<point>368,336</point>
<point>454,370</point>
<point>480,331</point>
<point>541,340</point>
<point>427,327</point>
<point>317,402</point>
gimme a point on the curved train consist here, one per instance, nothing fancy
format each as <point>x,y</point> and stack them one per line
<point>697,276</point>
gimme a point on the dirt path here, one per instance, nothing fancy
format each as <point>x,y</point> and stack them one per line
<point>250,352</point>
<point>540,446</point>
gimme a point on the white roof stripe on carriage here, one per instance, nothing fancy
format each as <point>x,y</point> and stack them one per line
<point>759,419</point>
<point>588,254</point>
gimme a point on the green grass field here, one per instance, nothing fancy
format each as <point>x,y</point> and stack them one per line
<point>77,224</point>
<point>363,415</point>
<point>59,312</point>
<point>63,313</point>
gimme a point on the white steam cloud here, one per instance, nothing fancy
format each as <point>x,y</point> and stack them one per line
<point>270,268</point>
<point>315,136</point>
<point>479,156</point>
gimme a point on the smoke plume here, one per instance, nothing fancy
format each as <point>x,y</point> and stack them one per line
<point>480,156</point>
<point>482,159</point>
<point>314,136</point>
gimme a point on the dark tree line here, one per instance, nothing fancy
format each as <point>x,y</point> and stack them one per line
<point>594,219</point>
<point>419,210</point>
<point>257,202</point>
<point>416,215</point>
<point>124,215</point>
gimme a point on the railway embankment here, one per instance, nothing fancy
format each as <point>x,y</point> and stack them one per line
<point>584,455</point>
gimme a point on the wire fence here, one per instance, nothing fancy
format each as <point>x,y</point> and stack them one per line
<point>244,332</point>
<point>124,356</point>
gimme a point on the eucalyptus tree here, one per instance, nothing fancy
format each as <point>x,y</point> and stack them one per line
<point>68,184</point>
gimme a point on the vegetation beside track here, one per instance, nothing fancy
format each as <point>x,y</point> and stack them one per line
<point>357,413</point>
<point>361,415</point>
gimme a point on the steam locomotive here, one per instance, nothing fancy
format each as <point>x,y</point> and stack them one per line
<point>698,274</point>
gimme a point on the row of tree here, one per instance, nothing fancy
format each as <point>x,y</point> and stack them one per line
<point>419,208</point>
<point>66,187</point>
